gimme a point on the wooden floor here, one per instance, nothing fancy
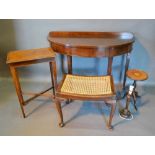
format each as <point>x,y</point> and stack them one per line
<point>82,118</point>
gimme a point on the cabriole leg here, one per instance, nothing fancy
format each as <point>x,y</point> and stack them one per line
<point>58,106</point>
<point>113,107</point>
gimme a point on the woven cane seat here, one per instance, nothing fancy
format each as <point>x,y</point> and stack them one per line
<point>87,85</point>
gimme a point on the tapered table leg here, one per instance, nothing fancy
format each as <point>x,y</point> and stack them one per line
<point>18,88</point>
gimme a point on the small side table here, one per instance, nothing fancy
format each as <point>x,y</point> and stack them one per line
<point>136,75</point>
<point>21,58</point>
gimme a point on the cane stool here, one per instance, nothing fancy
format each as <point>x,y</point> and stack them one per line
<point>136,75</point>
<point>23,58</point>
<point>90,45</point>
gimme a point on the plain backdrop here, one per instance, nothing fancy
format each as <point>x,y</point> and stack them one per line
<point>32,33</point>
<point>79,9</point>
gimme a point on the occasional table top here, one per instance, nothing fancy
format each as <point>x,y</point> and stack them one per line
<point>137,75</point>
<point>29,55</point>
<point>91,44</point>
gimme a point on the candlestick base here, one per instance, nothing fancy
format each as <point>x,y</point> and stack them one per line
<point>126,114</point>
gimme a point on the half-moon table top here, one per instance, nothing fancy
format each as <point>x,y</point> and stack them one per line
<point>91,44</point>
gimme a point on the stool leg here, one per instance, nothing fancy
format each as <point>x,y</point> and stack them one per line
<point>113,107</point>
<point>58,106</point>
<point>18,88</point>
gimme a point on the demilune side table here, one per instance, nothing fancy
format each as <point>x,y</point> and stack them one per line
<point>90,44</point>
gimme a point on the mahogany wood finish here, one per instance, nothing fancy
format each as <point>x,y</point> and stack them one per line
<point>110,59</point>
<point>90,44</point>
<point>69,61</point>
<point>22,58</point>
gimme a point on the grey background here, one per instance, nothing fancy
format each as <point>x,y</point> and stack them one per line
<point>42,116</point>
<point>27,34</point>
